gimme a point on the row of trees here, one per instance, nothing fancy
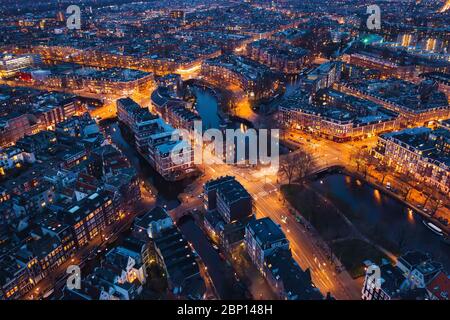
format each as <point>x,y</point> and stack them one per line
<point>363,159</point>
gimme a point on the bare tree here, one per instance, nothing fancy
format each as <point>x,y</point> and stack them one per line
<point>287,167</point>
<point>429,193</point>
<point>383,169</point>
<point>304,165</point>
<point>361,158</point>
<point>438,202</point>
<point>296,166</point>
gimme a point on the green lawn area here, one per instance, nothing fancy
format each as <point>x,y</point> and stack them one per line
<point>322,215</point>
<point>330,225</point>
<point>352,254</point>
<point>376,232</point>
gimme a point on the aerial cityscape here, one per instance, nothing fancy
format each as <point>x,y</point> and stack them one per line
<point>252,150</point>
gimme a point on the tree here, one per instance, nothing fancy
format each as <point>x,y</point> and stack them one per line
<point>438,202</point>
<point>361,157</point>
<point>296,166</point>
<point>304,165</point>
<point>383,169</point>
<point>287,167</point>
<point>429,192</point>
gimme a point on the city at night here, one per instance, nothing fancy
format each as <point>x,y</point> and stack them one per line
<point>224,158</point>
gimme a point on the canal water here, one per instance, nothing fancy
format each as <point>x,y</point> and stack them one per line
<point>292,85</point>
<point>207,107</point>
<point>167,191</point>
<point>374,210</point>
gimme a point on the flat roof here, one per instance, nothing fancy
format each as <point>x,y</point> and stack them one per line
<point>266,231</point>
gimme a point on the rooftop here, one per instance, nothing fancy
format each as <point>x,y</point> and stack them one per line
<point>81,209</point>
<point>212,184</point>
<point>178,257</point>
<point>407,95</point>
<point>105,74</point>
<point>413,258</point>
<point>232,191</point>
<point>342,108</point>
<point>440,286</point>
<point>133,108</point>
<point>296,282</point>
<point>166,148</point>
<point>156,214</point>
<point>266,231</point>
<point>423,141</point>
<point>391,279</point>
<point>440,77</point>
<point>280,49</point>
<point>245,67</point>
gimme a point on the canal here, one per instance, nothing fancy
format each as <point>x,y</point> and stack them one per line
<point>207,106</point>
<point>221,274</point>
<point>374,212</point>
<point>292,85</point>
<point>167,193</point>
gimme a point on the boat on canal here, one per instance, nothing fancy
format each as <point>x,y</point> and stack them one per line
<point>433,228</point>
